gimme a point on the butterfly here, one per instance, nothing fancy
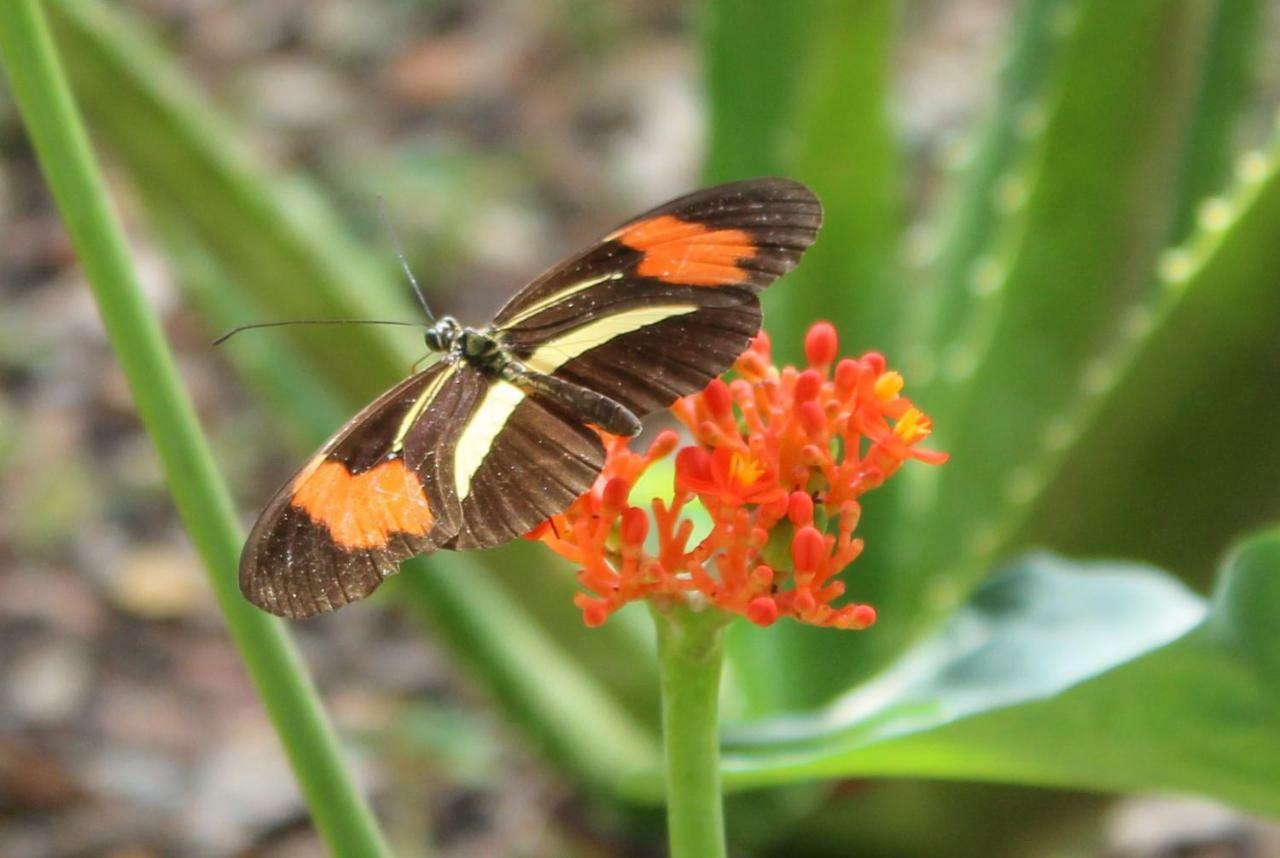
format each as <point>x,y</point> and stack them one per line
<point>496,436</point>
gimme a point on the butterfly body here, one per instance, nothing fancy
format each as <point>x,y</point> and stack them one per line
<point>484,352</point>
<point>497,436</point>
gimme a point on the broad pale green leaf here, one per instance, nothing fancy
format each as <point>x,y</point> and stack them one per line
<point>1095,676</point>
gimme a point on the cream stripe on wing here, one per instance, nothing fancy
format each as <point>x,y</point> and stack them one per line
<point>571,289</point>
<point>554,353</point>
<point>411,416</point>
<point>500,400</point>
<point>477,437</point>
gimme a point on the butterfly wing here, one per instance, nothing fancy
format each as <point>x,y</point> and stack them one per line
<point>520,459</point>
<point>654,311</point>
<point>667,301</point>
<point>380,491</point>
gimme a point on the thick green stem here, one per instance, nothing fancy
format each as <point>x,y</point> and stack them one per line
<point>57,134</point>
<point>690,653</point>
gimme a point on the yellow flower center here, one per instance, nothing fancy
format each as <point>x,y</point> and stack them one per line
<point>745,469</point>
<point>888,385</point>
<point>913,426</point>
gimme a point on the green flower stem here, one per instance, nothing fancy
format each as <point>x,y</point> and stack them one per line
<point>53,122</point>
<point>690,654</point>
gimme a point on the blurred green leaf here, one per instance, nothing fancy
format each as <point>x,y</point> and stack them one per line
<point>1226,85</point>
<point>1172,456</point>
<point>970,216</point>
<point>844,146</point>
<point>1109,677</point>
<point>1085,219</point>
<point>283,252</point>
<point>753,64</point>
<point>801,89</point>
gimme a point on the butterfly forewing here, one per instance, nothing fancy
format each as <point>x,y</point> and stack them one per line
<point>378,492</point>
<point>667,301</point>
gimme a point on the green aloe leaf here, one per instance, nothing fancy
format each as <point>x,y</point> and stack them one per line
<point>1094,676</point>
<point>753,63</point>
<point>1170,455</point>
<point>802,89</point>
<point>971,214</point>
<point>1226,86</point>
<point>1085,218</point>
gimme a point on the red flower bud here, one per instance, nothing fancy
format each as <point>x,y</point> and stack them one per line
<point>863,616</point>
<point>808,548</point>
<point>663,445</point>
<point>614,497</point>
<point>821,344</point>
<point>635,526</point>
<point>717,398</point>
<point>846,376</point>
<point>812,418</point>
<point>763,611</point>
<point>808,385</point>
<point>800,508</point>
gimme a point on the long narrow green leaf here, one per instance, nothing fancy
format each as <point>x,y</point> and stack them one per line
<point>1230,74</point>
<point>753,54</point>
<point>971,216</point>
<point>1087,218</point>
<point>843,145</point>
<point>283,251</point>
<point>573,716</point>
<point>1093,677</point>
<point>1168,454</point>
<point>45,101</point>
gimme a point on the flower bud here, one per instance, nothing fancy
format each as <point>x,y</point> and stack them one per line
<point>821,345</point>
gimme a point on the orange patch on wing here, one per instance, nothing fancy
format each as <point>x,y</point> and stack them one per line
<point>361,511</point>
<point>682,251</point>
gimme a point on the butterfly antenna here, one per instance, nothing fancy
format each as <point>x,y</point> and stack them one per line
<point>404,263</point>
<point>231,333</point>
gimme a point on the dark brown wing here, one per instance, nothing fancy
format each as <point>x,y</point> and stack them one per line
<point>519,459</point>
<point>667,301</point>
<point>380,491</point>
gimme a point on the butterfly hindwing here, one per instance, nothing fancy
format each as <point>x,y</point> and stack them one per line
<point>378,492</point>
<point>667,301</point>
<point>520,459</point>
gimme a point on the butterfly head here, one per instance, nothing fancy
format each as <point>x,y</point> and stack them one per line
<point>443,334</point>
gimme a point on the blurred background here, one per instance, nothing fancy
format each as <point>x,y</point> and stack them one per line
<point>503,134</point>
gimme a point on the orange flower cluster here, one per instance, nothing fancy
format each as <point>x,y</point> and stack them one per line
<point>779,460</point>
